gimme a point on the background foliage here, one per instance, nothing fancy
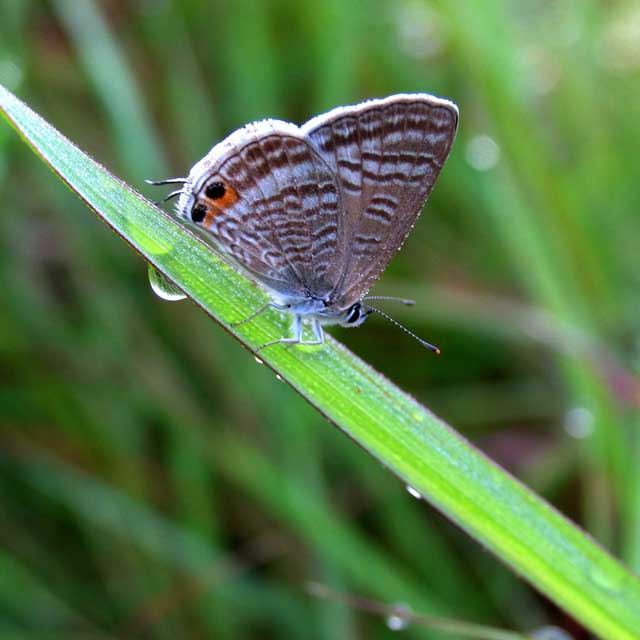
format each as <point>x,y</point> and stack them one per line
<point>154,480</point>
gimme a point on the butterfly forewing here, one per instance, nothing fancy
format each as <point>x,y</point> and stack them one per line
<point>284,226</point>
<point>386,155</point>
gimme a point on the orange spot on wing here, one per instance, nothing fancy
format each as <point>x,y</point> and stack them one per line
<point>217,206</point>
<point>229,198</point>
<point>212,212</point>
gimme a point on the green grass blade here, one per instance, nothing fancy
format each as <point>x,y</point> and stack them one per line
<point>521,529</point>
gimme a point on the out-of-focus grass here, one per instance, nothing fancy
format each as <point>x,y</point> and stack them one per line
<point>103,380</point>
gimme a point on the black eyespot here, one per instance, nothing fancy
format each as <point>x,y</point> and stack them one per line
<point>215,190</point>
<point>199,212</point>
<point>354,314</point>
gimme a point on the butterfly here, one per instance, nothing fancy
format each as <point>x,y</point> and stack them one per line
<point>315,213</point>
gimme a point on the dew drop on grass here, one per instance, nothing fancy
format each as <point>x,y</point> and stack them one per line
<point>258,360</point>
<point>413,492</point>
<point>163,287</point>
<point>399,618</point>
<point>278,377</point>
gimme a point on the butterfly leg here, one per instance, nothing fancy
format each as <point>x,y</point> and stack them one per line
<point>317,332</point>
<point>255,314</point>
<point>297,339</point>
<point>297,335</point>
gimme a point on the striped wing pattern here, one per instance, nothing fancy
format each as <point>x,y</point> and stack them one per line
<point>387,155</point>
<point>285,226</point>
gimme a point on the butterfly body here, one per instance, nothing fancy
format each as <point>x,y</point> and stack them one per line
<point>315,213</point>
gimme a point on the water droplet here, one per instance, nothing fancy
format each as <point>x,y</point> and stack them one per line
<point>579,422</point>
<point>551,633</point>
<point>399,618</point>
<point>278,377</point>
<point>163,287</point>
<point>258,360</point>
<point>482,152</point>
<point>414,492</point>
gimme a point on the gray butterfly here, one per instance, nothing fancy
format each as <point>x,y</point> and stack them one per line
<point>315,213</point>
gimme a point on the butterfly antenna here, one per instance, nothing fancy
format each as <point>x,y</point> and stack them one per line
<point>406,301</point>
<point>173,194</point>
<point>158,183</point>
<point>424,343</point>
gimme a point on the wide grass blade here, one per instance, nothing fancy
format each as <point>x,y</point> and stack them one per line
<point>502,514</point>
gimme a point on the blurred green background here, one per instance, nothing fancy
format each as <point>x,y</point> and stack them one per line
<point>155,481</point>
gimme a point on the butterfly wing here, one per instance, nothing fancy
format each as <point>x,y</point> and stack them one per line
<point>387,155</point>
<point>279,214</point>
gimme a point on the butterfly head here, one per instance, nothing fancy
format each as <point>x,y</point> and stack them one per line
<point>355,315</point>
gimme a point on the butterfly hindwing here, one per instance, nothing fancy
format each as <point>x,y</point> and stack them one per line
<point>387,155</point>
